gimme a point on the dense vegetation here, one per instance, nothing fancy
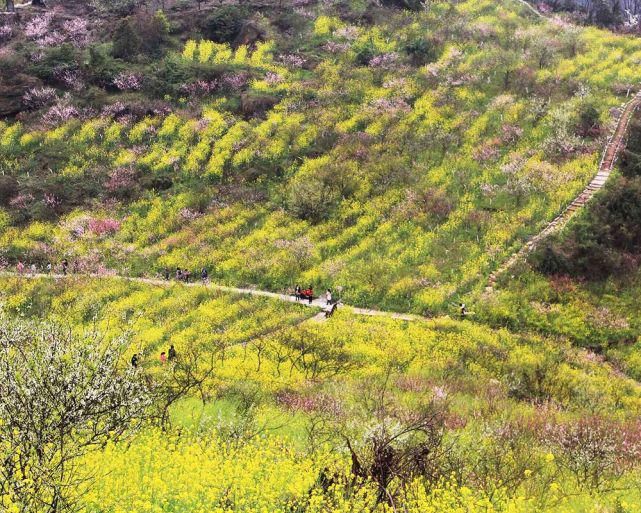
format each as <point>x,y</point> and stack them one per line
<point>583,283</point>
<point>395,151</point>
<point>398,155</point>
<point>501,422</point>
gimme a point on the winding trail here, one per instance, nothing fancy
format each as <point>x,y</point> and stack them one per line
<point>316,303</point>
<point>610,154</point>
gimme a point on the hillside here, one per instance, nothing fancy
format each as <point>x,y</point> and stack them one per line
<point>402,169</point>
<point>493,409</point>
<point>396,152</point>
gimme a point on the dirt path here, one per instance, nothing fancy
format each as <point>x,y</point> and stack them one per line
<point>316,303</point>
<point>610,154</point>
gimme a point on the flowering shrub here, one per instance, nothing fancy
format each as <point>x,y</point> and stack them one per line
<point>76,31</point>
<point>309,403</point>
<point>71,78</point>
<point>201,88</point>
<point>596,450</point>
<point>59,113</point>
<point>390,106</point>
<point>235,81</point>
<point>105,226</point>
<point>293,60</point>
<point>385,61</point>
<point>39,97</point>
<point>126,81</point>
<point>6,32</point>
<point>189,215</point>
<point>273,78</point>
<point>334,47</point>
<point>121,179</point>
<point>39,27</point>
<point>51,200</point>
<point>21,201</point>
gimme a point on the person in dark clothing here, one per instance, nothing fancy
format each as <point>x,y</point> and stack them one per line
<point>172,353</point>
<point>166,274</point>
<point>179,273</point>
<point>311,294</point>
<point>297,292</point>
<point>65,266</point>
<point>462,310</point>
<point>204,275</point>
<point>330,311</point>
<point>134,360</point>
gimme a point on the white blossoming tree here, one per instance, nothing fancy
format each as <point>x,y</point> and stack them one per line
<point>60,397</point>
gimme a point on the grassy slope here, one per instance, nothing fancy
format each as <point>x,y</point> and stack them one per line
<point>492,378</point>
<point>424,200</point>
<point>382,244</point>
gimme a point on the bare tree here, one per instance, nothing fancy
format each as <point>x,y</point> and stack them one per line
<point>389,445</point>
<point>192,372</point>
<point>61,396</point>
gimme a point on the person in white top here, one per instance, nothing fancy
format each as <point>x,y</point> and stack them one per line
<point>328,296</point>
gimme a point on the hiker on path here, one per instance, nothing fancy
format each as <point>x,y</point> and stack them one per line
<point>328,297</point>
<point>166,274</point>
<point>20,267</point>
<point>179,274</point>
<point>297,292</point>
<point>310,294</point>
<point>329,311</point>
<point>134,360</point>
<point>163,358</point>
<point>462,310</point>
<point>65,266</point>
<point>49,268</point>
<point>204,275</point>
<point>172,353</point>
<point>33,269</point>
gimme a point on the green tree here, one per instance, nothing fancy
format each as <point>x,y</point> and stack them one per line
<point>224,24</point>
<point>126,42</point>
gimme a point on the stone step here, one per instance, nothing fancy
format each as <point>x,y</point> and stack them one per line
<point>610,154</point>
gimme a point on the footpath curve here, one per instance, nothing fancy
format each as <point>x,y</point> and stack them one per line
<point>610,154</point>
<point>316,303</point>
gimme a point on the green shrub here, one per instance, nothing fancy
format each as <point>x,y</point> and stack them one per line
<point>126,41</point>
<point>605,241</point>
<point>422,51</point>
<point>318,188</point>
<point>56,58</point>
<point>224,24</point>
<point>412,5</point>
<point>631,158</point>
<point>102,67</point>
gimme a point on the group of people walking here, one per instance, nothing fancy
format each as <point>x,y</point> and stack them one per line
<point>185,275</point>
<point>169,356</point>
<point>22,268</point>
<point>308,294</point>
